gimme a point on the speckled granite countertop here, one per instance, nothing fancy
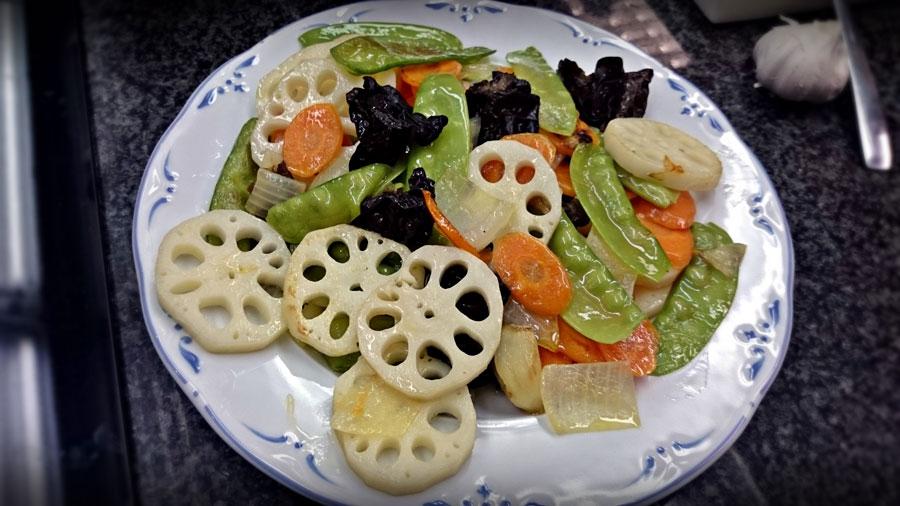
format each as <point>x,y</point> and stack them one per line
<point>826,433</point>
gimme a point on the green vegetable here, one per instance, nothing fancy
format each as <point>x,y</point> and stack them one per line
<point>478,71</point>
<point>342,363</point>
<point>416,34</point>
<point>238,173</point>
<point>442,94</point>
<point>600,307</point>
<point>332,203</point>
<point>651,191</point>
<point>603,198</point>
<point>557,113</point>
<point>696,306</point>
<point>370,55</point>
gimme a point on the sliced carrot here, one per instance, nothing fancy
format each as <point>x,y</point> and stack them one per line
<point>540,142</point>
<point>312,140</point>
<point>566,145</point>
<point>535,277</point>
<point>639,349</point>
<point>507,70</point>
<point>564,179</point>
<point>678,244</point>
<point>448,230</point>
<point>577,347</point>
<point>412,76</point>
<point>678,216</point>
<point>492,171</point>
<point>406,91</point>
<point>549,357</point>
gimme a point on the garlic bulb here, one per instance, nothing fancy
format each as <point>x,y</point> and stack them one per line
<point>803,62</point>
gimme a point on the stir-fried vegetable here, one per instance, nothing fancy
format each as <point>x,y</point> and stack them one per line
<point>533,274</point>
<point>600,307</point>
<point>414,75</point>
<point>589,397</point>
<point>517,365</point>
<point>651,300</point>
<point>398,32</point>
<point>386,125</point>
<point>312,140</point>
<point>445,228</point>
<point>725,258</point>
<point>651,191</point>
<point>678,216</point>
<point>505,105</point>
<point>577,347</point>
<point>550,357</point>
<point>558,113</point>
<point>677,244</point>
<point>238,173</point>
<point>372,54</point>
<point>625,276</point>
<point>400,215</point>
<point>545,328</point>
<point>612,216</point>
<point>540,142</point>
<point>443,95</point>
<point>697,305</point>
<point>333,203</point>
<point>269,189</point>
<point>609,92</point>
<point>342,363</point>
<point>639,350</point>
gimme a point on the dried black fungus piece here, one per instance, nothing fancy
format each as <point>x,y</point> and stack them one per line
<point>505,105</point>
<point>386,125</point>
<point>574,211</point>
<point>399,215</point>
<point>608,93</point>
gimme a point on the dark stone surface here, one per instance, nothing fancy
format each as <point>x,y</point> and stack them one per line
<point>827,431</point>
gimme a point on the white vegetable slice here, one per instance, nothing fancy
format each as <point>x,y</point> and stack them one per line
<point>405,454</point>
<point>517,365</point>
<point>419,316</point>
<point>651,300</point>
<point>338,167</point>
<point>324,289</point>
<point>220,276</point>
<point>310,82</point>
<point>663,153</point>
<point>269,189</point>
<point>589,397</point>
<point>624,275</point>
<point>544,328</point>
<point>536,202</point>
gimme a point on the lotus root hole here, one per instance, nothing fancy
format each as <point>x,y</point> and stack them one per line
<point>355,287</point>
<point>536,233</point>
<point>255,312</point>
<point>339,252</point>
<point>421,273</point>
<point>473,305</point>
<point>389,263</point>
<point>216,313</point>
<point>326,82</point>
<point>453,274</point>
<point>247,239</point>
<point>276,262</point>
<point>467,344</point>
<point>492,170</point>
<point>297,88</point>
<point>339,325</point>
<point>423,449</point>
<point>524,174</point>
<point>185,286</point>
<point>538,205</point>
<point>187,260</point>
<point>314,306</point>
<point>213,235</point>
<point>383,321</point>
<point>362,445</point>
<point>271,287</point>
<point>433,364</point>
<point>275,109</point>
<point>396,351</point>
<point>388,453</point>
<point>362,244</point>
<point>314,272</point>
<point>445,421</point>
<point>268,248</point>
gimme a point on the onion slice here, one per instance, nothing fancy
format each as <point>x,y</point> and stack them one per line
<point>589,397</point>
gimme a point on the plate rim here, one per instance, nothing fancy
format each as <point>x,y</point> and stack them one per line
<point>296,483</point>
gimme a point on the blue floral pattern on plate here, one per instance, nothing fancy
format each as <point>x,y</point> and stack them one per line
<point>467,12</point>
<point>235,83</point>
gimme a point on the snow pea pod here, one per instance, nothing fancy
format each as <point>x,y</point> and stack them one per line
<point>603,198</point>
<point>418,34</point>
<point>600,309</point>
<point>332,203</point>
<point>370,55</point>
<point>557,113</point>
<point>238,173</point>
<point>696,306</point>
<point>651,191</point>
<point>443,94</point>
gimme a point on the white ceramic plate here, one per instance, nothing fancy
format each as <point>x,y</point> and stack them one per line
<point>273,406</point>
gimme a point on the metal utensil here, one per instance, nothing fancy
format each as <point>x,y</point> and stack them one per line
<point>873,131</point>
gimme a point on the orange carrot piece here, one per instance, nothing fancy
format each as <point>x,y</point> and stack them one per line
<point>678,216</point>
<point>406,91</point>
<point>277,135</point>
<point>639,349</point>
<point>448,230</point>
<point>678,244</point>
<point>312,140</point>
<point>533,274</point>
<point>414,75</point>
<point>564,179</point>
<point>550,357</point>
<point>577,347</point>
<point>566,145</point>
<point>630,194</point>
<point>540,142</point>
<point>492,171</point>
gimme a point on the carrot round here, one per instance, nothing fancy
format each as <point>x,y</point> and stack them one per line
<point>678,244</point>
<point>535,277</point>
<point>639,349</point>
<point>678,216</point>
<point>549,357</point>
<point>540,142</point>
<point>564,179</point>
<point>411,77</point>
<point>442,223</point>
<point>312,140</point>
<point>577,347</point>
